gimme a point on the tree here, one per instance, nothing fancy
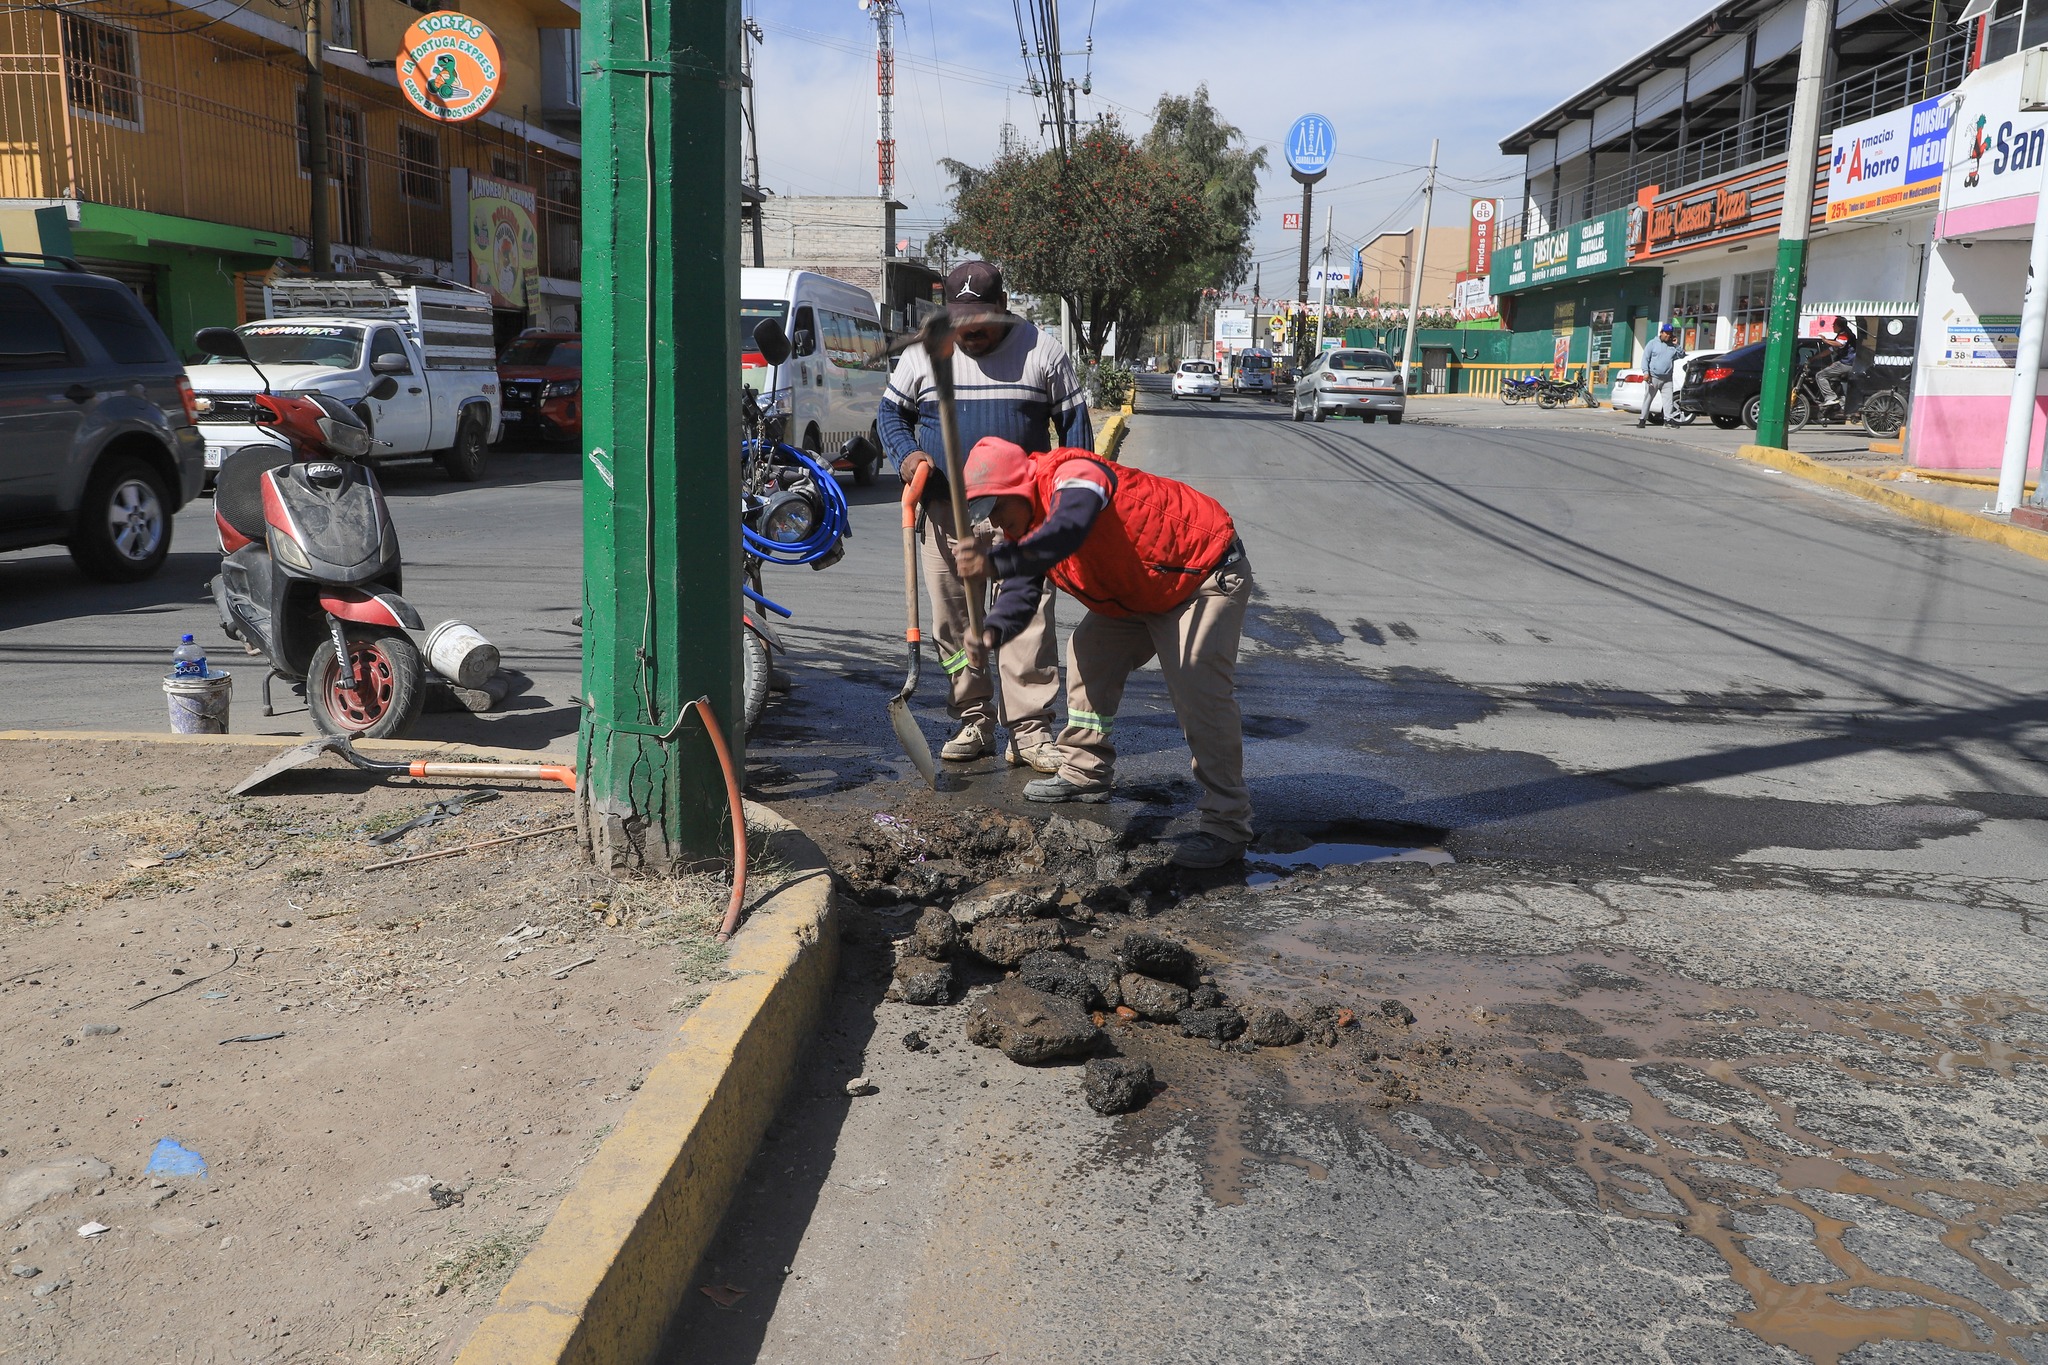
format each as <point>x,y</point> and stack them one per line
<point>1112,219</point>
<point>1188,129</point>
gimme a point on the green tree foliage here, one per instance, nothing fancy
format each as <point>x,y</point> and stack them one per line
<point>1188,129</point>
<point>1094,229</point>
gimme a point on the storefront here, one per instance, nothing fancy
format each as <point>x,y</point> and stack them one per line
<point>1572,300</point>
<point>1977,275</point>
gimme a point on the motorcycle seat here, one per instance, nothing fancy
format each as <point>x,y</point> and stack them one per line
<point>238,488</point>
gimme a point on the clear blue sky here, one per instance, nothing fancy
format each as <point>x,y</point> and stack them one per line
<point>1389,76</point>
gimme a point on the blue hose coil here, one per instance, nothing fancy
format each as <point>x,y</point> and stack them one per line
<point>824,537</point>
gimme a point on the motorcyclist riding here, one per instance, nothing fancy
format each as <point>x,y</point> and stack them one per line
<point>1835,360</point>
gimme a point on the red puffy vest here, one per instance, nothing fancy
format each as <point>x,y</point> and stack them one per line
<point>1150,548</point>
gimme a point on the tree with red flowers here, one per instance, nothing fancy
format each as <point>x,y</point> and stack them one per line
<point>1110,220</point>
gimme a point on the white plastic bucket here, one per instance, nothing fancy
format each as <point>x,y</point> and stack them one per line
<point>199,706</point>
<point>461,655</point>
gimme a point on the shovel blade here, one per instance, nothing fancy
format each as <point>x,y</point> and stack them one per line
<point>913,741</point>
<point>292,758</point>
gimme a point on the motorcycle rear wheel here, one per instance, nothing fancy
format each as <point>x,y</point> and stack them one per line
<point>1545,399</point>
<point>390,685</point>
<point>1799,413</point>
<point>1509,394</point>
<point>1884,415</point>
<point>754,677</point>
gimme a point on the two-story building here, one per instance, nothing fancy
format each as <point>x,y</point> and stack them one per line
<point>1655,193</point>
<point>164,142</point>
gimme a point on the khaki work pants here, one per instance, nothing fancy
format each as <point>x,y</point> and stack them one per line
<point>1196,645</point>
<point>1030,663</point>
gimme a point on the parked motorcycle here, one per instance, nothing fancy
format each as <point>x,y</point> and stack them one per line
<point>1877,401</point>
<point>1519,389</point>
<point>310,575</point>
<point>1550,393</point>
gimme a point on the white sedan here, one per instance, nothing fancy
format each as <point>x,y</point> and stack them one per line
<point>1197,379</point>
<point>1627,393</point>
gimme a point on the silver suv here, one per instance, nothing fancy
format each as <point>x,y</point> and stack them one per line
<point>99,445</point>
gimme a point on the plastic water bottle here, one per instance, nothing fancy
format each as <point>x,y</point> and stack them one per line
<point>188,660</point>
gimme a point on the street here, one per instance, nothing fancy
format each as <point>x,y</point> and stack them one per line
<point>1742,771</point>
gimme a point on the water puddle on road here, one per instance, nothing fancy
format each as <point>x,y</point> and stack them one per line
<point>1282,853</point>
<point>1869,1171</point>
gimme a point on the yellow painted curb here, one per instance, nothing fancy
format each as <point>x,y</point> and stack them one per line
<point>1967,480</point>
<point>613,1264</point>
<point>417,748</point>
<point>2034,543</point>
<point>1111,437</point>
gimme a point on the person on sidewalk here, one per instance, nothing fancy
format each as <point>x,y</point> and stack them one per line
<point>1660,367</point>
<point>1016,382</point>
<point>1160,568</point>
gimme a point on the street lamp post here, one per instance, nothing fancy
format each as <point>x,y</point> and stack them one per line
<point>1782,342</point>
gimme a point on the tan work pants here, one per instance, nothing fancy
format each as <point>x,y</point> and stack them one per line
<point>1197,649</point>
<point>1030,663</point>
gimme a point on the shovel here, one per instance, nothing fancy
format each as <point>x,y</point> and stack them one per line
<point>907,734</point>
<point>418,767</point>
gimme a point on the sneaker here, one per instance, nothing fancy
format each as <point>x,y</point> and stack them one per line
<point>1059,789</point>
<point>1044,755</point>
<point>1206,850</point>
<point>977,739</point>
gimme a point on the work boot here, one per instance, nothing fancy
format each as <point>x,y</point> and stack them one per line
<point>1205,850</point>
<point>1059,789</point>
<point>977,739</point>
<point>1035,752</point>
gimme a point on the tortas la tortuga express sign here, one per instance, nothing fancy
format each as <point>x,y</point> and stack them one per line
<point>448,66</point>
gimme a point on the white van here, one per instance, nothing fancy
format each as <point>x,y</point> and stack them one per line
<point>838,368</point>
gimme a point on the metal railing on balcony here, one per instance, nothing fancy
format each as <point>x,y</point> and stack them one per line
<point>1919,74</point>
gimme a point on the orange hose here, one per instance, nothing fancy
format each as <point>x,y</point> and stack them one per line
<point>739,818</point>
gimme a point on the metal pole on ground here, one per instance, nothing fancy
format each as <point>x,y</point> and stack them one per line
<point>661,563</point>
<point>2026,379</point>
<point>1794,219</point>
<point>1308,203</point>
<point>1415,285</point>
<point>1323,297</point>
<point>319,237</point>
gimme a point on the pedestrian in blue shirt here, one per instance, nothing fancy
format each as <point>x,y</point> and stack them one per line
<point>1660,365</point>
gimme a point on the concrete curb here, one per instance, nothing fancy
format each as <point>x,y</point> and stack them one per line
<point>615,1261</point>
<point>1111,438</point>
<point>417,748</point>
<point>2034,543</point>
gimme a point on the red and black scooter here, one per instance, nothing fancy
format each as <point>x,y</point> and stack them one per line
<point>310,573</point>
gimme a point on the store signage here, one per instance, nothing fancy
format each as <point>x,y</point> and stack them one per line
<point>1484,227</point>
<point>1995,152</point>
<point>448,67</point>
<point>1471,301</point>
<point>1992,342</point>
<point>1338,278</point>
<point>1589,248</point>
<point>1290,222</point>
<point>1722,210</point>
<point>1233,324</point>
<point>1311,142</point>
<point>1887,163</point>
<point>1742,206</point>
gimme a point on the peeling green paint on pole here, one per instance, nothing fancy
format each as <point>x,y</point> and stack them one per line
<point>661,176</point>
<point>1780,343</point>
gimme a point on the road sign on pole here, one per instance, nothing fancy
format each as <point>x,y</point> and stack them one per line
<point>661,568</point>
<point>1311,142</point>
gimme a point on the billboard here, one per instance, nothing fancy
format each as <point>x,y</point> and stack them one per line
<point>1589,248</point>
<point>1890,162</point>
<point>1234,324</point>
<point>1472,301</point>
<point>504,246</point>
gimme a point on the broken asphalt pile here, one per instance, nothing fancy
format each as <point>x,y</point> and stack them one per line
<point>1048,914</point>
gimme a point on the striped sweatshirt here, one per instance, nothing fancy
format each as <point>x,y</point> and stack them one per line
<point>1024,391</point>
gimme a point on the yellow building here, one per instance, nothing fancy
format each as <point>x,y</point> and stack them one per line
<point>165,143</point>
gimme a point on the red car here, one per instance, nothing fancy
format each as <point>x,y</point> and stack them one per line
<point>541,377</point>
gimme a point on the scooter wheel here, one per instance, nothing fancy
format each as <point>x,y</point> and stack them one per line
<point>755,676</point>
<point>389,686</point>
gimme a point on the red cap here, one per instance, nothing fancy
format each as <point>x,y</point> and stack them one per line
<point>996,468</point>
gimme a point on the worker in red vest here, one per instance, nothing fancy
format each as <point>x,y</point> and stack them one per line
<point>1160,568</point>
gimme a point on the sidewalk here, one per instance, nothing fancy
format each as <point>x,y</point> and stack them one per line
<point>1487,411</point>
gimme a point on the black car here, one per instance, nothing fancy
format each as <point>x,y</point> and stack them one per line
<point>1728,388</point>
<point>98,442</point>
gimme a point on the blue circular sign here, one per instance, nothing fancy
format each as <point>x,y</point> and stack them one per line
<point>1311,142</point>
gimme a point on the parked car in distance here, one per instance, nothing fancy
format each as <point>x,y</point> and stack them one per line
<point>1728,389</point>
<point>99,442</point>
<point>1254,373</point>
<point>540,380</point>
<point>1197,379</point>
<point>1626,395</point>
<point>1364,384</point>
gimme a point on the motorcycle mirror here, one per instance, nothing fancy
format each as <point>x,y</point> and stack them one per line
<point>770,342</point>
<point>221,341</point>
<point>384,388</point>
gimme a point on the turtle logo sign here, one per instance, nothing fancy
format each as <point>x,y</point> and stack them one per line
<point>448,66</point>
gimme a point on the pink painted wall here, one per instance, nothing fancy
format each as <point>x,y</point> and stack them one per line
<point>1967,431</point>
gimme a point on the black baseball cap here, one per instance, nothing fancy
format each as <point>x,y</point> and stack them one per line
<point>975,287</point>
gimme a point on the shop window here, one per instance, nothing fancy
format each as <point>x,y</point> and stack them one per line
<point>1695,307</point>
<point>1751,310</point>
<point>2002,35</point>
<point>101,73</point>
<point>419,165</point>
<point>341,25</point>
<point>511,172</point>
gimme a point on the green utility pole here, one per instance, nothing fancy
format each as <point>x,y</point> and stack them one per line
<point>661,565</point>
<point>1795,215</point>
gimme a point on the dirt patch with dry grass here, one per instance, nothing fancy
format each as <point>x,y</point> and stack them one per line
<point>391,1076</point>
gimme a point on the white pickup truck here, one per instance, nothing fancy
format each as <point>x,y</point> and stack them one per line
<point>338,335</point>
